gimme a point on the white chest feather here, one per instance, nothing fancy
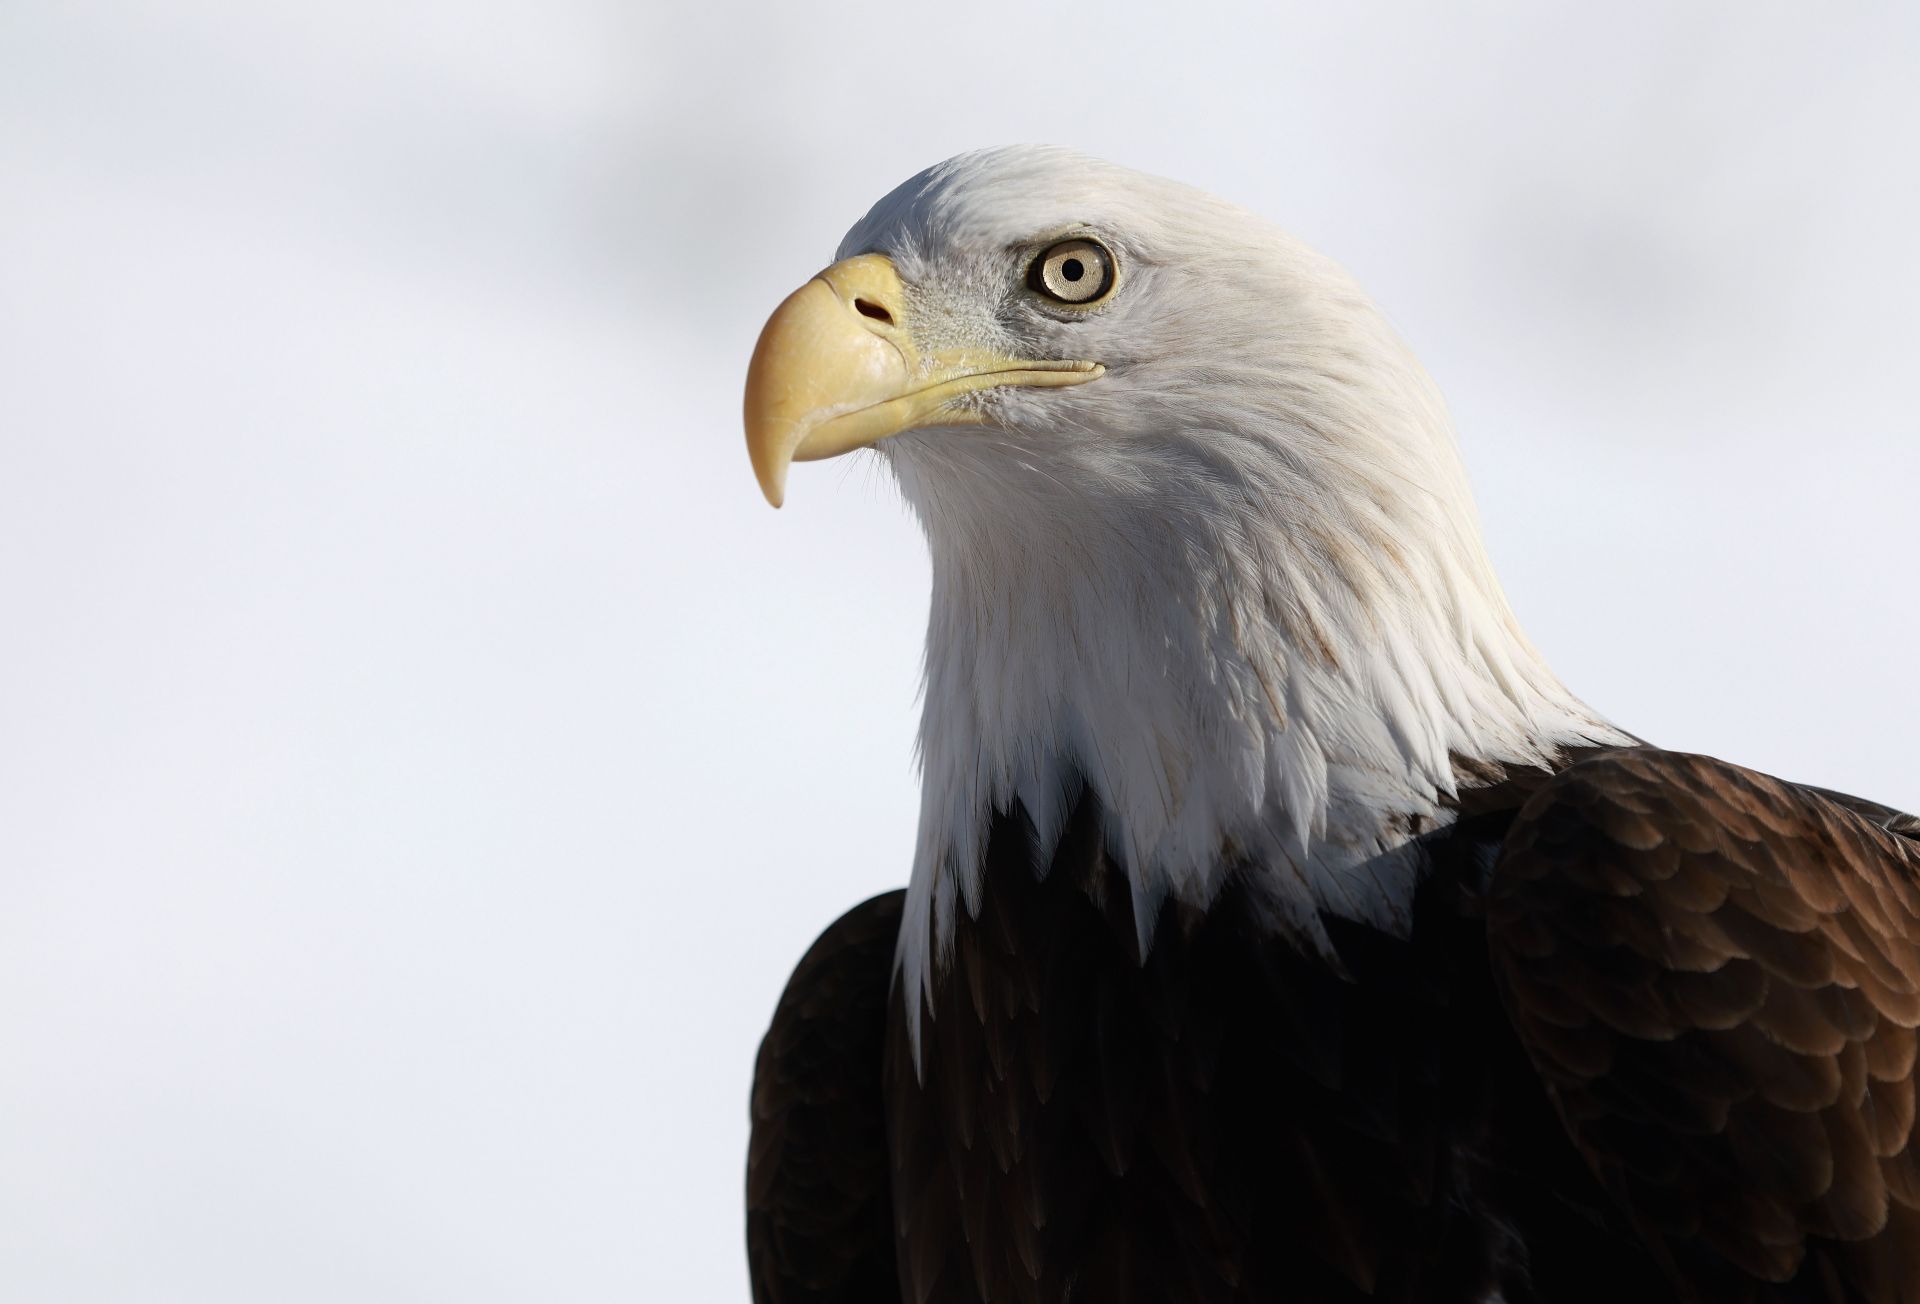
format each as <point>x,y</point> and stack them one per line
<point>1250,680</point>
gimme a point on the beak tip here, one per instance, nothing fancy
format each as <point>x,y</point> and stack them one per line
<point>773,484</point>
<point>770,450</point>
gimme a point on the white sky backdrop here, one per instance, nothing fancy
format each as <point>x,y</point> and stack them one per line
<point>422,755</point>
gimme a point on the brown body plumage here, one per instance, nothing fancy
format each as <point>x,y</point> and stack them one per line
<point>1663,1050</point>
<point>1717,975</point>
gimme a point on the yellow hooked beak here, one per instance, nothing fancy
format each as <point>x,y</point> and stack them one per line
<point>837,368</point>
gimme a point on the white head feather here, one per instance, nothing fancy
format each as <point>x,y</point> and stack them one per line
<point>1236,585</point>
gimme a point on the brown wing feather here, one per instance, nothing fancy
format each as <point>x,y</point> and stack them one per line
<point>1717,974</point>
<point>819,1219</point>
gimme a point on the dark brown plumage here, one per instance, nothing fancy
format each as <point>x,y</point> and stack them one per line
<point>1662,1051</point>
<point>1718,977</point>
<point>819,1226</point>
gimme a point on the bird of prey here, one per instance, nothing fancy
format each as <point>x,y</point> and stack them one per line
<point>1280,928</point>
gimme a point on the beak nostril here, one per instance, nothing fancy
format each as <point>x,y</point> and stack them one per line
<point>868,308</point>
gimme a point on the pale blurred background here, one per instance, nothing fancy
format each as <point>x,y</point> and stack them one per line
<point>423,755</point>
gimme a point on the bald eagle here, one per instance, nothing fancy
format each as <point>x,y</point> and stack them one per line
<point>1279,926</point>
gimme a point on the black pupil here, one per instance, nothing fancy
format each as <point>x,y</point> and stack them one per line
<point>1073,269</point>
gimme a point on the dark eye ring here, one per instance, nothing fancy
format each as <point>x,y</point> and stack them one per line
<point>1077,272</point>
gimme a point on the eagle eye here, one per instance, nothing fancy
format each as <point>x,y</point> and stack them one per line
<point>1077,271</point>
